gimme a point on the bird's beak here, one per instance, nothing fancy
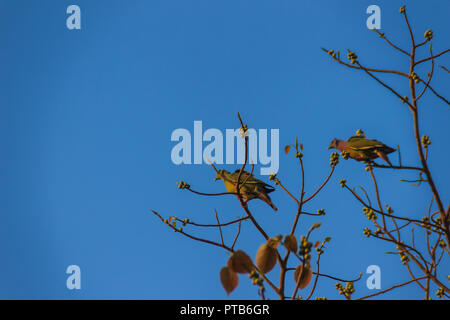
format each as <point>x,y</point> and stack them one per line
<point>215,179</point>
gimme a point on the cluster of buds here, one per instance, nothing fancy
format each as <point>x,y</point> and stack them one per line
<point>273,177</point>
<point>367,232</point>
<point>257,280</point>
<point>437,222</point>
<point>415,77</point>
<point>403,258</point>
<point>173,222</point>
<point>440,293</point>
<point>347,291</point>
<point>332,53</point>
<point>183,185</point>
<point>389,209</point>
<point>426,141</point>
<point>352,56</point>
<point>334,159</point>
<point>243,131</point>
<point>321,212</point>
<point>370,214</point>
<point>442,244</point>
<point>168,221</point>
<point>342,182</point>
<point>299,155</point>
<point>360,133</point>
<point>321,298</point>
<point>340,287</point>
<point>405,99</point>
<point>425,222</point>
<point>350,288</point>
<point>368,167</point>
<point>319,251</point>
<point>345,155</point>
<point>320,248</point>
<point>428,34</point>
<point>402,9</point>
<point>305,248</point>
<point>185,221</point>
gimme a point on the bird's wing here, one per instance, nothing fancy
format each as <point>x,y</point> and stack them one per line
<point>359,143</point>
<point>249,179</point>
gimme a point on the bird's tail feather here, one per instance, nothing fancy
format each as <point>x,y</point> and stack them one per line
<point>383,156</point>
<point>267,200</point>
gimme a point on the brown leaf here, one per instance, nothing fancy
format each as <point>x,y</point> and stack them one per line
<point>290,242</point>
<point>240,262</point>
<point>301,146</point>
<point>316,244</point>
<point>229,279</point>
<point>303,276</point>
<point>266,258</point>
<point>286,149</point>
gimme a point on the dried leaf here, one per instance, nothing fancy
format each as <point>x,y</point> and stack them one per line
<point>316,244</point>
<point>266,258</point>
<point>229,279</point>
<point>301,146</point>
<point>303,276</point>
<point>240,262</point>
<point>286,149</point>
<point>290,242</point>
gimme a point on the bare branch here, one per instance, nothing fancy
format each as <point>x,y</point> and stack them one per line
<point>220,228</point>
<point>432,57</point>
<point>387,40</point>
<point>321,186</point>
<point>391,288</point>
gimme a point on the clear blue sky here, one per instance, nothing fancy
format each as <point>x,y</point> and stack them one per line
<point>86,117</point>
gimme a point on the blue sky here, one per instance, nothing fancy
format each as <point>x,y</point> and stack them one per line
<point>86,117</point>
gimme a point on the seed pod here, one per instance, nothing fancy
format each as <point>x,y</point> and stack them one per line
<point>240,262</point>
<point>229,279</point>
<point>266,258</point>
<point>290,242</point>
<point>303,275</point>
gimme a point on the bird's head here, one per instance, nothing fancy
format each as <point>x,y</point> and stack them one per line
<point>333,144</point>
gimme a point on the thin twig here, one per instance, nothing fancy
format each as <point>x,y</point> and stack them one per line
<point>218,223</point>
<point>237,235</point>
<point>391,288</point>
<point>387,40</point>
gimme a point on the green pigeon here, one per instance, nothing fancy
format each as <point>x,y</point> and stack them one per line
<point>251,189</point>
<point>362,149</point>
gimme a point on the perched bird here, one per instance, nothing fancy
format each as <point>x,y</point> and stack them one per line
<point>362,149</point>
<point>251,187</point>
